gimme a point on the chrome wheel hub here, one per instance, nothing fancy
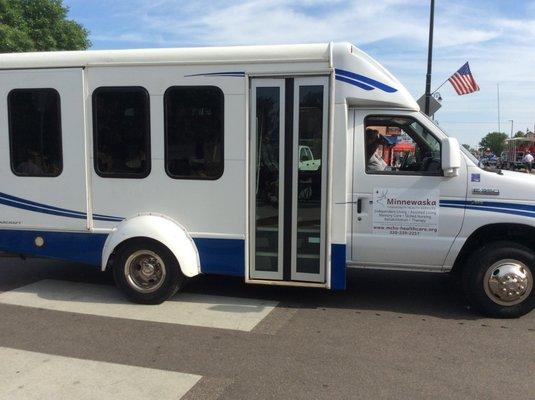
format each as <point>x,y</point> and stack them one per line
<point>508,282</point>
<point>145,271</point>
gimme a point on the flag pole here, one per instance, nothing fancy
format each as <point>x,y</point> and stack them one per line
<point>443,83</point>
<point>429,58</point>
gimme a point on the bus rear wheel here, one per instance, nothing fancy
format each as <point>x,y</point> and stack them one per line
<point>147,272</point>
<point>499,280</point>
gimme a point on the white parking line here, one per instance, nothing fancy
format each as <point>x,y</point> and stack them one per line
<point>28,375</point>
<point>184,309</point>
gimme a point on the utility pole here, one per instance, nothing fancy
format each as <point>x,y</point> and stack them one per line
<point>499,122</point>
<point>429,58</point>
<point>511,127</point>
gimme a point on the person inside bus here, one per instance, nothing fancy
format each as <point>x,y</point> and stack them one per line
<point>373,141</point>
<point>33,164</point>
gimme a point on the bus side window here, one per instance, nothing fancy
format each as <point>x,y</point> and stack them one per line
<point>121,132</point>
<point>35,132</point>
<point>194,132</point>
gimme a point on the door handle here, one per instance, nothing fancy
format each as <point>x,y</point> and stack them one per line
<point>359,206</point>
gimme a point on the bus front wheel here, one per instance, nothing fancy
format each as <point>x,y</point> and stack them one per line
<point>498,280</point>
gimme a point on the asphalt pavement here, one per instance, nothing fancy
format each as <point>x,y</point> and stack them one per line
<point>66,332</point>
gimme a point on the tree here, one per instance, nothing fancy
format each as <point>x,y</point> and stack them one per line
<point>39,25</point>
<point>495,141</point>
<point>520,134</point>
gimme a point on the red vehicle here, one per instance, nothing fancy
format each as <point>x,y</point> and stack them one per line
<point>515,150</point>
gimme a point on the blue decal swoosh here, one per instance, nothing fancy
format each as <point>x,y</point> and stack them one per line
<point>238,74</point>
<point>514,206</point>
<point>353,78</point>
<point>29,205</point>
<point>41,210</point>
<point>524,210</point>
<point>33,203</point>
<point>354,83</point>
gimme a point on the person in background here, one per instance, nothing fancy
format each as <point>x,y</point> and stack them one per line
<point>373,140</point>
<point>489,159</point>
<point>488,154</point>
<point>528,161</point>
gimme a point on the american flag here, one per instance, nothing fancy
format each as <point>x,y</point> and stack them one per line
<point>463,81</point>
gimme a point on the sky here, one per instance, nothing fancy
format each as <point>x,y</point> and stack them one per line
<point>497,37</point>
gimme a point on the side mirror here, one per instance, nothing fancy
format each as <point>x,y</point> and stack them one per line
<point>451,157</point>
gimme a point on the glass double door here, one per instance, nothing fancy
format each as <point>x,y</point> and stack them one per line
<point>289,119</point>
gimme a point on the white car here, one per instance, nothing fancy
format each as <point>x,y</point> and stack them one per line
<point>307,162</point>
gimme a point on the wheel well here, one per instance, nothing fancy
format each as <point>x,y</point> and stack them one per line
<point>137,239</point>
<point>517,233</point>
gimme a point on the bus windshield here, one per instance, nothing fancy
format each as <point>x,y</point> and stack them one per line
<point>469,155</point>
<point>465,151</point>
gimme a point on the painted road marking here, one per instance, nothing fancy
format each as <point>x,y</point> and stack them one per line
<point>103,300</point>
<point>29,375</point>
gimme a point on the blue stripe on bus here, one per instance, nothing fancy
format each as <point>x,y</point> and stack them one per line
<point>513,206</point>
<point>524,210</point>
<point>218,256</point>
<point>354,83</point>
<point>338,266</point>
<point>33,203</point>
<point>230,73</point>
<point>221,256</point>
<point>84,247</point>
<point>29,205</point>
<point>361,80</point>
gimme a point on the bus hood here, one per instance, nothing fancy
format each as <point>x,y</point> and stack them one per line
<point>516,186</point>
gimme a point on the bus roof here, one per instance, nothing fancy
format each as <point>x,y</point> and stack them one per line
<point>189,55</point>
<point>365,81</point>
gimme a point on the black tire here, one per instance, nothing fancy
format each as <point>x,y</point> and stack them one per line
<point>474,278</point>
<point>170,283</point>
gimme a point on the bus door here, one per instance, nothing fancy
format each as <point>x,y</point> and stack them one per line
<point>288,147</point>
<point>401,217</point>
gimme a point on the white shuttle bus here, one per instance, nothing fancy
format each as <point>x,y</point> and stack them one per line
<point>284,165</point>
